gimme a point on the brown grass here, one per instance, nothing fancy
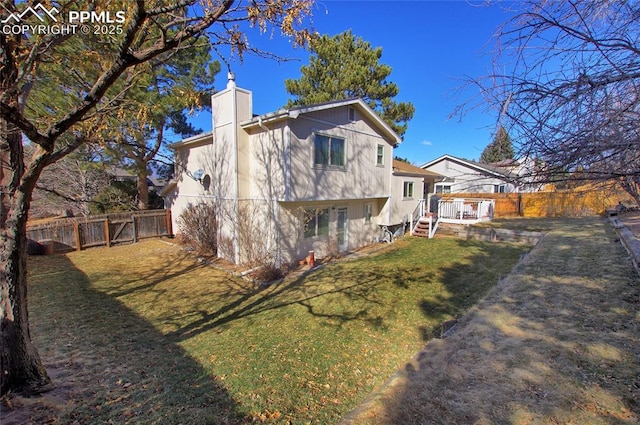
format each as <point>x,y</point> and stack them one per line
<point>556,342</point>
<point>145,334</point>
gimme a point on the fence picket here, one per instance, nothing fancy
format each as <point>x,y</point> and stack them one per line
<point>77,233</point>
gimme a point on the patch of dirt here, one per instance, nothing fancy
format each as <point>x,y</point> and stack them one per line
<point>42,409</point>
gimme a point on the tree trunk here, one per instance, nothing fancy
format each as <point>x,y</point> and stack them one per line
<point>21,369</point>
<point>142,186</point>
<point>20,366</point>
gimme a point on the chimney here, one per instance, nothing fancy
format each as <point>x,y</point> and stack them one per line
<point>231,80</point>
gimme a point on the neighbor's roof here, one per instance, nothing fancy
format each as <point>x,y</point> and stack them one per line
<point>295,112</point>
<point>405,169</point>
<point>482,168</point>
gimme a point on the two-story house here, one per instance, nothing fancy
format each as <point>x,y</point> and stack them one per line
<point>311,178</point>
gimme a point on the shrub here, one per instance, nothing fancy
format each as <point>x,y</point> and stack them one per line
<point>197,228</point>
<point>267,273</point>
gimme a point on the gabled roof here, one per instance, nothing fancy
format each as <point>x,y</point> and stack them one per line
<point>295,112</point>
<point>401,168</point>
<point>487,169</point>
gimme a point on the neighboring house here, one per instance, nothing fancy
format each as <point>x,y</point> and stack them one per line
<point>529,171</point>
<point>311,178</point>
<point>464,176</point>
<point>410,185</point>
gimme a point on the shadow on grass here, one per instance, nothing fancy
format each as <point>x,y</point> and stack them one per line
<point>370,289</point>
<point>555,343</point>
<point>360,290</point>
<point>110,365</point>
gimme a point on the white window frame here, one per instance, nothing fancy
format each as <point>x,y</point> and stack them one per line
<point>500,188</point>
<point>317,230</point>
<point>442,189</point>
<point>330,163</point>
<point>379,155</point>
<point>368,212</point>
<point>408,188</point>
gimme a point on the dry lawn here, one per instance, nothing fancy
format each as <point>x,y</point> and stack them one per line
<point>557,342</point>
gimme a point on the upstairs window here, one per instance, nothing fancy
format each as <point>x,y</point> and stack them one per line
<point>380,155</point>
<point>352,114</point>
<point>328,151</point>
<point>499,188</point>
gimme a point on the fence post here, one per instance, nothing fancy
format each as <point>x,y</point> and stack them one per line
<point>135,230</point>
<point>107,234</point>
<point>76,234</point>
<point>169,223</point>
<point>520,209</point>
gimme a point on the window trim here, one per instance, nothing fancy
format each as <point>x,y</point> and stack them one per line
<point>439,189</point>
<point>379,155</point>
<point>329,165</point>
<point>500,188</point>
<point>408,188</point>
<point>316,230</point>
<point>368,212</point>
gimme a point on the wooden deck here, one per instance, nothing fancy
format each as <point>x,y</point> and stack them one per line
<point>455,211</point>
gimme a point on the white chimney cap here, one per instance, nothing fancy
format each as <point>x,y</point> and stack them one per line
<point>231,77</point>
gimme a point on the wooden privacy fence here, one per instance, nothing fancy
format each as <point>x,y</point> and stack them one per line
<point>104,230</point>
<point>575,203</point>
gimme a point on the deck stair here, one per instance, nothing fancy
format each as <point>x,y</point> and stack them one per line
<point>426,226</point>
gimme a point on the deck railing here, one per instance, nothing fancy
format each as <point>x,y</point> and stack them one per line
<point>418,212</point>
<point>465,211</point>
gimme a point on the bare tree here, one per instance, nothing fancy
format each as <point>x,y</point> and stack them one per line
<point>570,95</point>
<point>70,184</point>
<point>87,67</point>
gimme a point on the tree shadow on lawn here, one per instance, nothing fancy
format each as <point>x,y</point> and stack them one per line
<point>356,295</point>
<point>555,342</point>
<point>108,364</point>
<point>339,293</point>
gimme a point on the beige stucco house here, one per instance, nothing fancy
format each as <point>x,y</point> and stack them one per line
<point>314,178</point>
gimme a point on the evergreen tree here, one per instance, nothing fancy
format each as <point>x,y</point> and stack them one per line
<point>500,149</point>
<point>345,67</point>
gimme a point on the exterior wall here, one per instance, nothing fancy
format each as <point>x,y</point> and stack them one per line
<point>268,163</point>
<point>465,179</point>
<point>359,178</point>
<point>294,246</point>
<point>189,191</point>
<point>401,207</point>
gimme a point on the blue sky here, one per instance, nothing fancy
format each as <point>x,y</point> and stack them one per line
<point>430,45</point>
